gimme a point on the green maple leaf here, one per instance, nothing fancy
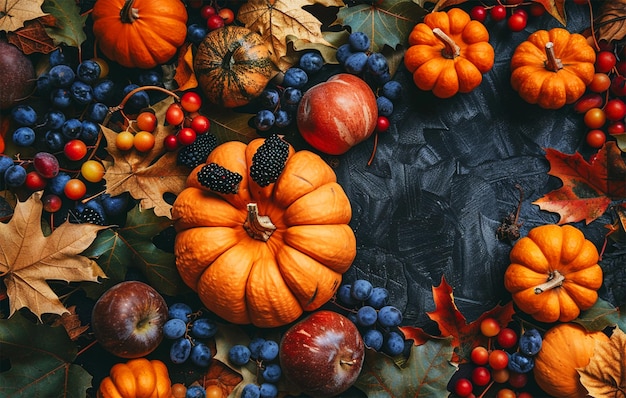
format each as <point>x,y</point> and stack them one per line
<point>41,359</point>
<point>69,23</point>
<point>132,246</point>
<point>388,23</point>
<point>425,374</point>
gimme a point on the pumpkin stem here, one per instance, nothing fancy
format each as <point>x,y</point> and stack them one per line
<point>553,63</point>
<point>258,227</point>
<point>554,280</point>
<point>452,50</point>
<point>128,14</point>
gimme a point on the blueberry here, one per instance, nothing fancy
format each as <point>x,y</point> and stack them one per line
<point>291,96</point>
<point>138,100</point>
<point>270,98</point>
<point>15,176</point>
<point>56,184</point>
<point>255,347</point>
<point>264,120</point>
<point>60,98</point>
<point>355,64</point>
<point>61,75</point>
<point>180,311</point>
<point>361,289</point>
<point>295,77</point>
<point>195,391</point>
<point>239,354</point>
<point>54,119</point>
<point>389,316</point>
<point>89,132</point>
<point>196,33</point>
<point>378,298</point>
<point>24,115</point>
<point>272,373</point>
<point>5,163</point>
<point>72,128</point>
<point>366,316</point>
<point>54,140</point>
<point>344,295</point>
<point>385,106</point>
<point>57,57</point>
<point>311,62</point>
<point>44,84</point>
<point>88,71</point>
<point>377,64</point>
<point>150,78</point>
<point>520,363</point>
<point>201,354</point>
<point>250,391</point>
<point>343,52</point>
<point>203,328</point>
<point>104,91</point>
<point>392,90</point>
<point>359,41</point>
<point>180,350</point>
<point>174,328</point>
<point>114,205</point>
<point>282,118</point>
<point>393,344</point>
<point>530,342</point>
<point>269,350</point>
<point>268,390</point>
<point>97,112</point>
<point>373,338</point>
<point>24,136</point>
<point>81,92</point>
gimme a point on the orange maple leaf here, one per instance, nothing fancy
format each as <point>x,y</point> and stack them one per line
<point>588,187</point>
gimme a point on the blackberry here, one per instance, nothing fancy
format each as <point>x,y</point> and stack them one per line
<point>219,179</point>
<point>269,160</point>
<point>89,215</point>
<point>196,153</point>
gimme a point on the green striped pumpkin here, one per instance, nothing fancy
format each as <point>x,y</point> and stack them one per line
<point>232,66</point>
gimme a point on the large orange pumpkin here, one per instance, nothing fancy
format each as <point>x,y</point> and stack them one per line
<point>554,273</point>
<point>139,33</point>
<point>264,249</point>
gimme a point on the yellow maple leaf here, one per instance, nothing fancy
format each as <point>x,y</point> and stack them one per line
<point>605,375</point>
<point>13,13</point>
<point>28,259</point>
<point>146,176</point>
<point>274,20</point>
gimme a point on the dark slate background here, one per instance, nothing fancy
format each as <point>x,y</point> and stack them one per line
<point>444,177</point>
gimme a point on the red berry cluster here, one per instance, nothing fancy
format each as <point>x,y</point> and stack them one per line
<point>216,17</point>
<point>515,12</point>
<point>184,114</point>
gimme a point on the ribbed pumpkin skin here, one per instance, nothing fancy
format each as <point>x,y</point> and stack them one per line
<point>267,283</point>
<point>447,76</point>
<point>536,84</point>
<point>232,66</point>
<point>151,39</point>
<point>565,347</point>
<point>137,378</point>
<point>535,258</point>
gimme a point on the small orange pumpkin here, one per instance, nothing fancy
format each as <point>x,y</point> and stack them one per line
<point>139,33</point>
<point>552,68</point>
<point>232,66</point>
<point>554,273</point>
<point>137,378</point>
<point>263,252</point>
<point>448,53</point>
<point>565,348</point>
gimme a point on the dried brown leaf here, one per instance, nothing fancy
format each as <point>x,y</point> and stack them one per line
<point>605,375</point>
<point>611,21</point>
<point>13,13</point>
<point>71,322</point>
<point>32,38</point>
<point>28,259</point>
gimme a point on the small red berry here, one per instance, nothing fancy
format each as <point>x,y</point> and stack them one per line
<point>382,124</point>
<point>214,22</point>
<point>498,13</point>
<point>478,13</point>
<point>170,142</point>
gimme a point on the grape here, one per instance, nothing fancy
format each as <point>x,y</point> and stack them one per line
<point>270,98</point>
<point>203,328</point>
<point>56,185</point>
<point>393,344</point>
<point>88,71</point>
<point>355,64</point>
<point>54,119</point>
<point>81,92</point>
<point>201,354</point>
<point>373,338</point>
<point>57,57</point>
<point>24,115</point>
<point>104,91</point>
<point>530,342</point>
<point>60,98</point>
<point>291,96</point>
<point>239,354</point>
<point>272,373</point>
<point>366,316</point>
<point>196,33</point>
<point>344,295</point>
<point>180,350</point>
<point>343,52</point>
<point>114,205</point>
<point>174,328</point>
<point>359,41</point>
<point>138,100</point>
<point>392,90</point>
<point>311,62</point>
<point>361,289</point>
<point>520,363</point>
<point>268,350</point>
<point>89,132</point>
<point>180,311</point>
<point>255,347</point>
<point>54,140</point>
<point>268,390</point>
<point>46,164</point>
<point>150,78</point>
<point>377,64</point>
<point>61,75</point>
<point>264,120</point>
<point>250,391</point>
<point>385,106</point>
<point>195,391</point>
<point>282,118</point>
<point>389,316</point>
<point>15,176</point>
<point>295,77</point>
<point>24,136</point>
<point>378,298</point>
<point>5,163</point>
<point>44,84</point>
<point>71,128</point>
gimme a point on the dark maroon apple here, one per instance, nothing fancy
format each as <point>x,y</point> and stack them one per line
<point>17,80</point>
<point>128,319</point>
<point>335,115</point>
<point>322,354</point>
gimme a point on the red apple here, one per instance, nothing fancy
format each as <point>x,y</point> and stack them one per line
<point>127,320</point>
<point>322,354</point>
<point>337,114</point>
<point>17,80</point>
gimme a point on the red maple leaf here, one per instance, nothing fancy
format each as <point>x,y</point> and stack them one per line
<point>588,187</point>
<point>453,324</point>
